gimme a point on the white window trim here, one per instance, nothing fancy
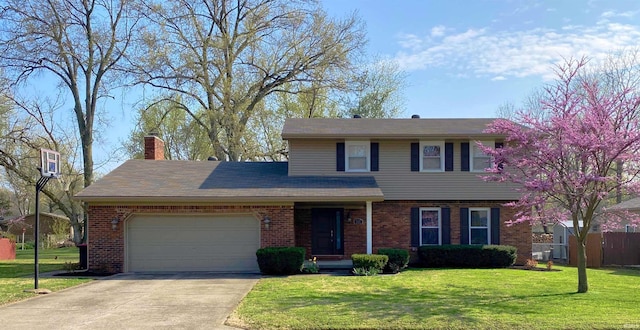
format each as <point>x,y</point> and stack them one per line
<point>442,155</point>
<point>488,227</point>
<point>367,145</point>
<point>473,146</point>
<point>439,224</point>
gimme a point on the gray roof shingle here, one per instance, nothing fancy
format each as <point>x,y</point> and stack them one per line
<point>630,205</point>
<point>213,181</point>
<point>385,128</point>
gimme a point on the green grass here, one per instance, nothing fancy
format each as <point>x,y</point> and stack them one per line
<point>445,299</point>
<point>17,275</point>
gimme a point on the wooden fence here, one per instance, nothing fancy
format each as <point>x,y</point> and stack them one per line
<point>608,249</point>
<point>594,250</point>
<point>621,248</point>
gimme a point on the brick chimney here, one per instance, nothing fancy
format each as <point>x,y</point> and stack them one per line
<point>153,147</point>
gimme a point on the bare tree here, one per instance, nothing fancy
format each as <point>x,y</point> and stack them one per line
<point>27,128</point>
<point>226,56</point>
<point>79,43</point>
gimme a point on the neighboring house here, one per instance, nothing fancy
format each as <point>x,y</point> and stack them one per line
<point>350,186</point>
<point>50,224</point>
<point>631,205</point>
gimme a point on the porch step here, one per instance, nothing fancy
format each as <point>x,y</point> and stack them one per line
<point>330,257</point>
<point>334,264</point>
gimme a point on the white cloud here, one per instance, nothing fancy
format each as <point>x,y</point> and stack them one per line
<point>613,13</point>
<point>498,56</point>
<point>438,31</point>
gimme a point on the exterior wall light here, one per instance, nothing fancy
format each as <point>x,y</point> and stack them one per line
<point>266,221</point>
<point>114,223</point>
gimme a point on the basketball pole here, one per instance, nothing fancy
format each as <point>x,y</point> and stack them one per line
<point>39,185</point>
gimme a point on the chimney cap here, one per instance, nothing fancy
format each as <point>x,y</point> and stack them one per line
<point>153,133</point>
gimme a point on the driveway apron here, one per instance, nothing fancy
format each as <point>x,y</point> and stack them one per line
<point>135,301</point>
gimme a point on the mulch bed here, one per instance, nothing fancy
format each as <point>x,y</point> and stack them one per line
<point>537,269</point>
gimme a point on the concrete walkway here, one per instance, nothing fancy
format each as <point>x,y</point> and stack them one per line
<point>135,301</point>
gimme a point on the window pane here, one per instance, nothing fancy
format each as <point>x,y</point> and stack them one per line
<point>430,236</point>
<point>480,163</point>
<point>357,151</point>
<point>479,218</point>
<point>431,163</point>
<point>479,236</point>
<point>477,152</point>
<point>430,218</point>
<point>357,163</point>
<point>431,151</point>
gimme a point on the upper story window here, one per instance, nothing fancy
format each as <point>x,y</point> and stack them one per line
<point>629,229</point>
<point>430,226</point>
<point>432,156</point>
<point>480,160</point>
<point>357,154</point>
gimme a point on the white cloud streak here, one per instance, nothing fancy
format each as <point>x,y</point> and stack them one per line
<point>507,54</point>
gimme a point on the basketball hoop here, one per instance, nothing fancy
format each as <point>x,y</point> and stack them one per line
<point>49,163</point>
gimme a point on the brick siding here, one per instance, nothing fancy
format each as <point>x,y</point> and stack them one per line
<point>106,246</point>
<point>391,222</point>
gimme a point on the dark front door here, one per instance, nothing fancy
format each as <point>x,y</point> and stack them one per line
<point>327,231</point>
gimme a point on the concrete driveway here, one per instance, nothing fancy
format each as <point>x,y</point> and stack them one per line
<point>135,301</point>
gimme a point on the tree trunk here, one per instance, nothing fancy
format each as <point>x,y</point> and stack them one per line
<point>583,285</point>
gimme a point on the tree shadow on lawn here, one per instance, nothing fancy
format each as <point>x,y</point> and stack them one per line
<point>623,271</point>
<point>458,304</point>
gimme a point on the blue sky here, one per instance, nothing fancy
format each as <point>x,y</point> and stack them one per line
<point>467,58</point>
<point>463,58</point>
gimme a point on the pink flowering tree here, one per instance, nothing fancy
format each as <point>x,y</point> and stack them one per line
<point>578,148</point>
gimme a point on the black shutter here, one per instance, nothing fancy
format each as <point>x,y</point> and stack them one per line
<point>415,226</point>
<point>340,156</point>
<point>415,157</point>
<point>464,156</point>
<point>446,225</point>
<point>498,146</point>
<point>464,225</point>
<point>448,156</point>
<point>375,149</point>
<point>495,225</point>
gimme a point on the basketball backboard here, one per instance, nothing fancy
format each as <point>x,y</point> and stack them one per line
<point>49,163</point>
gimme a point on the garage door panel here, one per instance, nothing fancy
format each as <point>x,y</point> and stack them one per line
<point>192,243</point>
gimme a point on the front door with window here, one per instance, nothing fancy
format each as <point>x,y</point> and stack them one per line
<point>327,231</point>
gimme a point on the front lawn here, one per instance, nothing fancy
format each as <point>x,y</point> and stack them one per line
<point>445,299</point>
<point>17,275</point>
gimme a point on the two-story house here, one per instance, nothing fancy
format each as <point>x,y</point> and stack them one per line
<point>350,186</point>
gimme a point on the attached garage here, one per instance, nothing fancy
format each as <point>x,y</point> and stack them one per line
<point>187,242</point>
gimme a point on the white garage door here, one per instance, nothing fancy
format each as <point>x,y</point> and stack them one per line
<point>192,243</point>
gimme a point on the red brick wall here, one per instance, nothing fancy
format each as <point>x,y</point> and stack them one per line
<point>106,246</point>
<point>153,148</point>
<point>391,222</point>
<point>392,225</point>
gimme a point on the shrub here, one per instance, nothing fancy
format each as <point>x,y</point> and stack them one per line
<point>369,262</point>
<point>310,266</point>
<point>398,259</point>
<point>531,264</point>
<point>467,256</point>
<point>280,260</point>
<point>364,272</point>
